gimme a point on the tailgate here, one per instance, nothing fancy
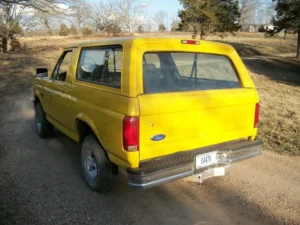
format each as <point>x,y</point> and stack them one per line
<point>174,122</point>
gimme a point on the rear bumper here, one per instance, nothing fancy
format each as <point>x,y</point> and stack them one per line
<point>181,165</point>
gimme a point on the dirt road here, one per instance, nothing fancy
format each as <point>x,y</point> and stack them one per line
<point>42,183</point>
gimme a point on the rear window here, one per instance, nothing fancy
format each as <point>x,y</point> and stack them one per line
<point>101,65</point>
<point>178,71</point>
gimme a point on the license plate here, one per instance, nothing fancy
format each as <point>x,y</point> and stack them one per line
<point>206,159</point>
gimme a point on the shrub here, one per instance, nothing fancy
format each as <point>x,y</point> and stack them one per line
<point>261,28</point>
<point>86,31</point>
<point>162,28</point>
<point>140,29</point>
<point>73,30</point>
<point>63,31</point>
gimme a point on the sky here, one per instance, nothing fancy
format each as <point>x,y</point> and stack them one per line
<point>170,6</point>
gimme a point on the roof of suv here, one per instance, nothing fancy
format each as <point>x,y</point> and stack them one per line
<point>115,41</point>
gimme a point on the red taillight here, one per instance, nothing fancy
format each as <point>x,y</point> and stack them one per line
<point>190,42</point>
<point>256,116</point>
<point>131,133</point>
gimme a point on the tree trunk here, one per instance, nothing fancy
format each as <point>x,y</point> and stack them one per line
<point>298,46</point>
<point>201,35</point>
<point>4,44</point>
<point>79,26</point>
<point>285,34</point>
<point>195,32</point>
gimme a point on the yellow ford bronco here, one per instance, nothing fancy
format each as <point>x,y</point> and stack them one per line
<point>159,109</point>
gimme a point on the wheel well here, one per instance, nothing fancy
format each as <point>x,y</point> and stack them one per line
<point>36,100</point>
<point>84,129</point>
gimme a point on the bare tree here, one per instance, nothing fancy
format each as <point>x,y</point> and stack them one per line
<point>105,18</point>
<point>147,24</point>
<point>12,12</point>
<point>10,16</point>
<point>80,11</point>
<point>160,18</point>
<point>128,10</point>
<point>247,10</point>
<point>270,10</point>
<point>40,5</point>
<point>48,21</point>
<point>175,23</point>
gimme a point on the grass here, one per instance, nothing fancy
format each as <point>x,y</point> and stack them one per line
<point>277,80</point>
<point>278,83</point>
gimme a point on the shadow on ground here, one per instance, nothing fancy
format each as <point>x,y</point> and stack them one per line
<point>16,72</point>
<point>243,49</point>
<point>262,47</point>
<point>284,70</point>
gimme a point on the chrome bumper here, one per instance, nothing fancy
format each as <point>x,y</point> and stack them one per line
<point>181,165</point>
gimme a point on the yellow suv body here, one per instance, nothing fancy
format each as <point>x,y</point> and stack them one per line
<point>162,109</point>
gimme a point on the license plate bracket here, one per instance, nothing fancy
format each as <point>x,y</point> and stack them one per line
<point>207,173</point>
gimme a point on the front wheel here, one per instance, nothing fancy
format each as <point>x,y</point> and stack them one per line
<point>43,127</point>
<point>97,169</point>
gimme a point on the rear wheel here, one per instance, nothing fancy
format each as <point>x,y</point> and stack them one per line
<point>43,127</point>
<point>97,169</point>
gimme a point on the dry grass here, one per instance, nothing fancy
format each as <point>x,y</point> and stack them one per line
<point>278,84</point>
<point>277,80</point>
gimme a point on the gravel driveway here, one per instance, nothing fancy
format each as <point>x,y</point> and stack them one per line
<point>41,183</point>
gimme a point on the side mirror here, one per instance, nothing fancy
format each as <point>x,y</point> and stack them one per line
<point>42,72</point>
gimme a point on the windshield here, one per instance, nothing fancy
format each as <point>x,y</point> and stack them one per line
<point>179,71</point>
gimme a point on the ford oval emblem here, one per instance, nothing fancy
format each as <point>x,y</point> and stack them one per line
<point>158,137</point>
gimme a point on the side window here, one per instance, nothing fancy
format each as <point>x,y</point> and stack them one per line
<point>62,66</point>
<point>101,65</point>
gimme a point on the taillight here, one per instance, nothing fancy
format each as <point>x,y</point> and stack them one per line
<point>256,116</point>
<point>190,42</point>
<point>131,133</point>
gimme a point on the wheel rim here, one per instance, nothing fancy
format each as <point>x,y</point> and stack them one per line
<point>90,163</point>
<point>38,121</point>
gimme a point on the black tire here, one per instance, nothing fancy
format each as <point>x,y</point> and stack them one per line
<point>43,127</point>
<point>97,169</point>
